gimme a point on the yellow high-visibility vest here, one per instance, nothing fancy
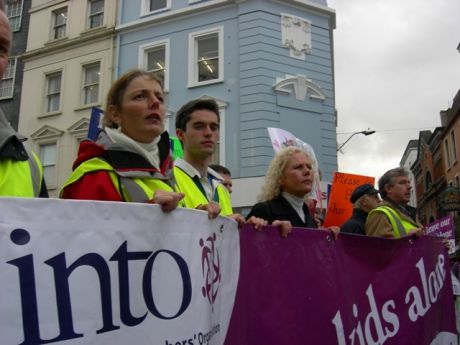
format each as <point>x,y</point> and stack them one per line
<point>21,178</point>
<point>134,189</point>
<point>195,197</point>
<point>401,227</point>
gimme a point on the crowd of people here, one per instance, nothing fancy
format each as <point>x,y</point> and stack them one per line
<point>131,161</point>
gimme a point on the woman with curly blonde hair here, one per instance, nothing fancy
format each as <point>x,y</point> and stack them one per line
<point>288,181</point>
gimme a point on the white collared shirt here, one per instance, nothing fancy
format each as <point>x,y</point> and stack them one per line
<point>209,182</point>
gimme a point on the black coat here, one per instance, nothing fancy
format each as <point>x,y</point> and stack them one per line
<point>281,209</point>
<point>356,223</point>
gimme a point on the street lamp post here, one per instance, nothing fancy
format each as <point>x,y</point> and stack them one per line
<point>366,133</point>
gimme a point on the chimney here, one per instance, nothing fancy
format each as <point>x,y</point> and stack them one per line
<point>444,119</point>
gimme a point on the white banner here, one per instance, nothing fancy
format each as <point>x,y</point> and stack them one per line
<point>81,272</point>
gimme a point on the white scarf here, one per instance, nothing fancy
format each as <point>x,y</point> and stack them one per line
<point>147,150</point>
<point>296,203</point>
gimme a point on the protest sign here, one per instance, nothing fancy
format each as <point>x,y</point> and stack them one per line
<point>339,207</point>
<point>443,227</point>
<point>312,289</point>
<point>82,272</point>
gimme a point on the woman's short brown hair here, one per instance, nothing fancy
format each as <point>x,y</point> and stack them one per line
<point>117,91</point>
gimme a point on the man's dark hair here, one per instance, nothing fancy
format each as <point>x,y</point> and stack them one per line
<point>2,6</point>
<point>389,179</point>
<point>220,169</point>
<point>184,113</point>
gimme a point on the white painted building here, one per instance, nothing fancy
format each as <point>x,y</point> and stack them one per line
<point>68,68</point>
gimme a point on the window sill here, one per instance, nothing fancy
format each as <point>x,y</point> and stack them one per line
<point>204,83</point>
<point>91,31</point>
<point>161,10</point>
<point>56,41</point>
<point>6,97</point>
<point>87,106</point>
<point>54,113</point>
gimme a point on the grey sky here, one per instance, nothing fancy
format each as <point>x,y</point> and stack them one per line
<point>396,67</point>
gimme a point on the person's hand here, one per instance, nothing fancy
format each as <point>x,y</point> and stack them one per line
<point>238,218</point>
<point>212,208</point>
<point>167,200</point>
<point>417,232</point>
<point>335,230</point>
<point>285,227</point>
<point>257,223</point>
<point>317,219</point>
<point>446,243</point>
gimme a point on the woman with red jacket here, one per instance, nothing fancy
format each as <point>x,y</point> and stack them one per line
<point>130,161</point>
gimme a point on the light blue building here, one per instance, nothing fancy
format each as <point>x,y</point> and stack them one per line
<point>267,63</point>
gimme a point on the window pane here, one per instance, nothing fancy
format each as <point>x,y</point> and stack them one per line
<point>54,92</point>
<point>54,83</point>
<point>91,83</point>
<point>14,12</point>
<point>208,57</point>
<point>61,17</point>
<point>208,47</point>
<point>208,69</point>
<point>156,59</point>
<point>15,23</point>
<point>454,148</point>
<point>53,103</point>
<point>96,13</point>
<point>91,94</point>
<point>6,88</point>
<point>60,21</point>
<point>48,154</point>
<point>96,6</point>
<point>157,4</point>
<point>48,159</point>
<point>92,74</point>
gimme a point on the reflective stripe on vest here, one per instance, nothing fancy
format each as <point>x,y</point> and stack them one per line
<point>400,226</point>
<point>36,172</point>
<point>138,189</point>
<point>21,178</point>
<point>194,197</point>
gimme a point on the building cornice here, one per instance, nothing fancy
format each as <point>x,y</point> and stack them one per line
<point>168,15</point>
<point>313,7</point>
<point>46,5</point>
<point>66,43</point>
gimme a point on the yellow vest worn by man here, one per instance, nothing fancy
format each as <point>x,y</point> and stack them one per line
<point>195,196</point>
<point>387,221</point>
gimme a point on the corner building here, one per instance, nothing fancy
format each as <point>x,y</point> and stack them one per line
<point>267,64</point>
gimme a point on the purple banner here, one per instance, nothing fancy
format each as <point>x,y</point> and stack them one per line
<point>443,227</point>
<point>312,289</point>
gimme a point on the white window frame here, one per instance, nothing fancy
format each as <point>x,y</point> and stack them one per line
<point>54,14</point>
<point>48,75</point>
<point>143,52</point>
<point>145,7</point>
<point>10,74</point>
<point>192,56</point>
<point>194,1</point>
<point>84,85</point>
<point>17,14</point>
<point>89,15</point>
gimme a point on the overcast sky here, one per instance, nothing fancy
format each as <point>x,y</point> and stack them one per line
<point>396,67</point>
